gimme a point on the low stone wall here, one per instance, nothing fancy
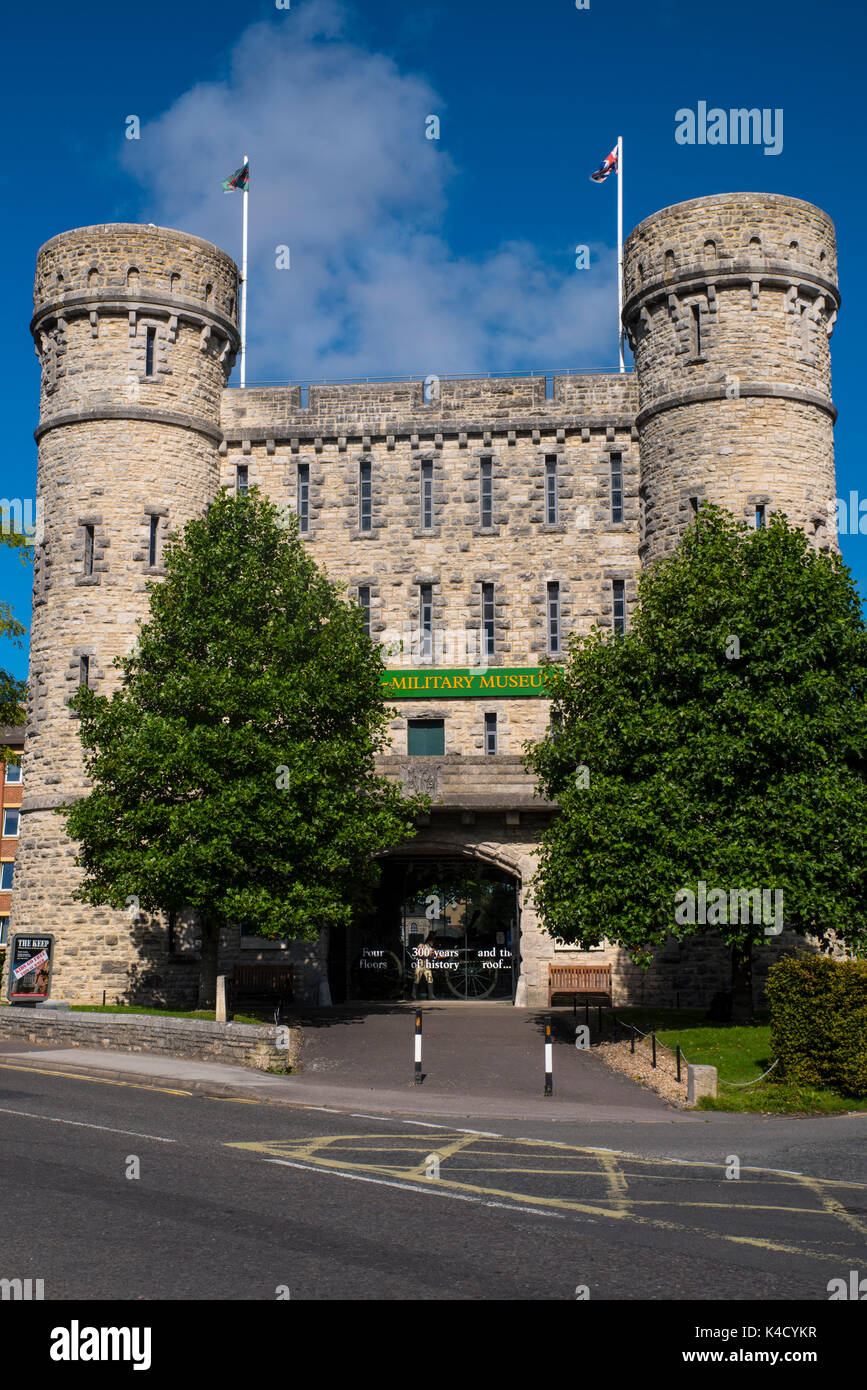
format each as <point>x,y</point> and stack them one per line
<point>239,1043</point>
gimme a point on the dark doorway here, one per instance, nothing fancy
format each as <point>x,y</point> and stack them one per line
<point>442,928</point>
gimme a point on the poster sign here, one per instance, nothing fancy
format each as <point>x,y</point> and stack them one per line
<point>30,969</point>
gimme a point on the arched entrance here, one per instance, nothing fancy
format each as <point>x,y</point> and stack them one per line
<point>443,927</point>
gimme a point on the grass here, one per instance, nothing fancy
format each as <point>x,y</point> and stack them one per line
<point>208,1014</point>
<point>740,1052</point>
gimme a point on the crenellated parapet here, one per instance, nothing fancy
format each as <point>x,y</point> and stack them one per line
<point>131,311</point>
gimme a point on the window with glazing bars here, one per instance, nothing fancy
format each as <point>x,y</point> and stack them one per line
<point>426,596</point>
<point>551,490</point>
<point>153,538</point>
<point>364,603</point>
<point>619,606</point>
<point>427,520</point>
<point>241,480</point>
<point>486,493</point>
<point>488,618</point>
<point>616,487</point>
<point>88,550</point>
<point>490,734</point>
<point>303,498</point>
<point>365,497</point>
<point>553,618</point>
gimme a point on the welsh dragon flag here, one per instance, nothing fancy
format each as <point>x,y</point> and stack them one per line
<point>239,180</point>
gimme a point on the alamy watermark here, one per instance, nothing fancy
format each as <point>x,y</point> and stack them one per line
<point>450,646</point>
<point>19,517</point>
<point>717,907</point>
<point>738,126</point>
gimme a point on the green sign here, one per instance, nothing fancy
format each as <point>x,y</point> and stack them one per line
<point>498,682</point>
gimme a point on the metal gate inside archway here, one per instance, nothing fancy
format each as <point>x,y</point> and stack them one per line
<point>443,928</point>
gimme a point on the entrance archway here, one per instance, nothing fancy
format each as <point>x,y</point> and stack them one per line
<point>443,927</point>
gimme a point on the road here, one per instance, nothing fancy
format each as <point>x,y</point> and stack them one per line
<point>241,1199</point>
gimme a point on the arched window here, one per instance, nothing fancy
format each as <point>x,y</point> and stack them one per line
<point>710,250</point>
<point>132,279</point>
<point>174,282</point>
<point>669,262</point>
<point>756,245</point>
<point>92,278</point>
<point>209,293</point>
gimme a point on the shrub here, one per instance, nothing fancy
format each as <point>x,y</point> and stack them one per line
<point>819,1021</point>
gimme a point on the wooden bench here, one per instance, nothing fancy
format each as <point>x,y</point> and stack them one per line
<point>579,979</point>
<point>260,979</point>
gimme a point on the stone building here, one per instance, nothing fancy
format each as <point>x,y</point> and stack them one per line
<point>478,522</point>
<point>11,789</point>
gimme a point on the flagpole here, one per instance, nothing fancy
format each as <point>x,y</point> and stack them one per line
<point>244,291</point>
<point>619,250</point>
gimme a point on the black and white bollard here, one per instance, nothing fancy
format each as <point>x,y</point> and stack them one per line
<point>549,1060</point>
<point>417,1077</point>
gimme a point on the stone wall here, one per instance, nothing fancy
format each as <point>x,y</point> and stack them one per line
<point>238,1043</point>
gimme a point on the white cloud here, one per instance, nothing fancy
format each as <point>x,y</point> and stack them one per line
<point>342,173</point>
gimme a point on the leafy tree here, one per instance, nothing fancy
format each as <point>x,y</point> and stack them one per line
<point>12,691</point>
<point>722,739</point>
<point>233,769</point>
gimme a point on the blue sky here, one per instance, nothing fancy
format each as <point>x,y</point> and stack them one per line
<point>409,255</point>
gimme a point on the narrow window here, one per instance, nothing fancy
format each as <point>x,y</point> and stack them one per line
<point>553,619</point>
<point>364,604</point>
<point>84,670</point>
<point>486,493</point>
<point>427,496</point>
<point>241,480</point>
<point>4,930</point>
<point>490,734</point>
<point>760,517</point>
<point>150,336</point>
<point>304,498</point>
<point>365,505</point>
<point>88,550</point>
<point>152,540</point>
<point>616,487</point>
<point>488,618</point>
<point>551,490</point>
<point>7,869</point>
<point>13,772</point>
<point>10,823</point>
<point>696,331</point>
<point>693,505</point>
<point>426,738</point>
<point>426,621</point>
<point>619,586</point>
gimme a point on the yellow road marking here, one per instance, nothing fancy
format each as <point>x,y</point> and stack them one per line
<point>622,1207</point>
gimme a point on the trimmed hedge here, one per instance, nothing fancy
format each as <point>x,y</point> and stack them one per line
<point>819,1021</point>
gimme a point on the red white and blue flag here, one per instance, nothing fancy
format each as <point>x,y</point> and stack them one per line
<point>608,165</point>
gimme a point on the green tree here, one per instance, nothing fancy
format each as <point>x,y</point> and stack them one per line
<point>233,769</point>
<point>12,691</point>
<point>722,739</point>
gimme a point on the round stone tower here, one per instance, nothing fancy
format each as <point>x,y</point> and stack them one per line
<point>136,331</point>
<point>730,302</point>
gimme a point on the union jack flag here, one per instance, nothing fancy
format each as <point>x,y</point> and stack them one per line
<point>608,165</point>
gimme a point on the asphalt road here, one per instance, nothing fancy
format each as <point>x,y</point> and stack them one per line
<point>239,1200</point>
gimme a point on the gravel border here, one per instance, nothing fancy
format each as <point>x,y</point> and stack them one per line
<point>638,1067</point>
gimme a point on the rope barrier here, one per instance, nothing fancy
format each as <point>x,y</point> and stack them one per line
<point>631,1028</point>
